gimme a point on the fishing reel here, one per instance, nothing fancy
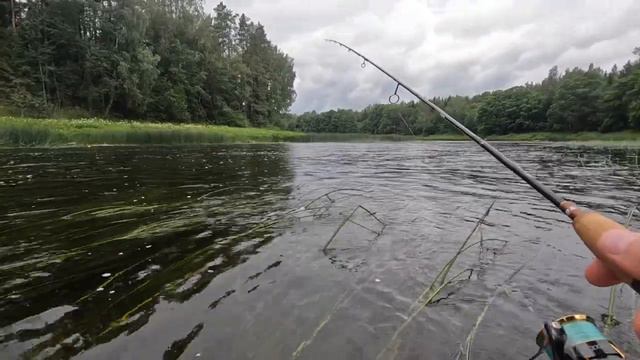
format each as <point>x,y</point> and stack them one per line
<point>575,337</point>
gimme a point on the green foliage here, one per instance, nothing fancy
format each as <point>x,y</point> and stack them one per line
<point>634,114</point>
<point>162,59</point>
<point>340,121</point>
<point>516,110</point>
<point>575,104</point>
<point>27,104</point>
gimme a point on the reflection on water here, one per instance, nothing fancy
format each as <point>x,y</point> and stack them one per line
<point>93,238</point>
<point>216,252</point>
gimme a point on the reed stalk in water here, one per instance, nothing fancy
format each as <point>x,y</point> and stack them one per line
<point>609,318</point>
<point>349,219</point>
<point>466,349</point>
<point>439,283</point>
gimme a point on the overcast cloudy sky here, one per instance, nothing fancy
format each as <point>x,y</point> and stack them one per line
<point>439,47</point>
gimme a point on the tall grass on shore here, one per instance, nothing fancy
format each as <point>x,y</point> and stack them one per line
<point>39,132</point>
<point>19,131</point>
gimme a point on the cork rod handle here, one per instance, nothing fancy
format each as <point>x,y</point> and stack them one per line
<point>590,226</point>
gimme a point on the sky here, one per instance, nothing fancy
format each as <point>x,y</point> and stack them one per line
<point>438,47</point>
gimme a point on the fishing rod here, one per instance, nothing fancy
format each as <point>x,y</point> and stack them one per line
<point>590,226</point>
<point>546,192</point>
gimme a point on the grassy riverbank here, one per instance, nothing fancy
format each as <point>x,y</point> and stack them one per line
<point>622,136</point>
<point>618,137</point>
<point>360,137</point>
<point>37,132</point>
<point>15,131</point>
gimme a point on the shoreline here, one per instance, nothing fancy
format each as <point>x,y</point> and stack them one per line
<point>31,132</point>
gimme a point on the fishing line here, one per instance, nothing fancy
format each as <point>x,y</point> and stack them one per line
<point>538,186</point>
<point>395,98</point>
<point>406,124</point>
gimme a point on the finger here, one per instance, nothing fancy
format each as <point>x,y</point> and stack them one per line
<point>622,248</point>
<point>599,275</point>
<point>570,208</point>
<point>636,324</point>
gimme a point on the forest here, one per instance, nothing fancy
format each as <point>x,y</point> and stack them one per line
<point>175,61</point>
<point>162,60</point>
<point>575,101</point>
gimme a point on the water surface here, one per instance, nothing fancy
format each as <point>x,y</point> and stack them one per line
<point>215,252</point>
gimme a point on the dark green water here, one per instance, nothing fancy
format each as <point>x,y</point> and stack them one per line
<point>209,252</point>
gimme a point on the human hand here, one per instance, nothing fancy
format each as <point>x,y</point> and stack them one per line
<point>617,250</point>
<point>621,248</point>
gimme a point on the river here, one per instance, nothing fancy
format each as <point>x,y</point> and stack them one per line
<point>216,252</point>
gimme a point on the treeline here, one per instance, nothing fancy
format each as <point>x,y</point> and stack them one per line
<point>578,100</point>
<point>141,59</point>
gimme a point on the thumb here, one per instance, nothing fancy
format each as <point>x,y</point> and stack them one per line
<point>622,249</point>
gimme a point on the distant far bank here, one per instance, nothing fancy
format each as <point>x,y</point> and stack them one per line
<point>618,137</point>
<point>16,131</point>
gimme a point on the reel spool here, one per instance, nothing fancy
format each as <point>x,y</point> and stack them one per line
<point>576,337</point>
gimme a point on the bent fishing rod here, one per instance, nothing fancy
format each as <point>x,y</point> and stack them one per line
<point>590,226</point>
<point>573,337</point>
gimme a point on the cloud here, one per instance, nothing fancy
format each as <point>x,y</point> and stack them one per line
<point>439,47</point>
